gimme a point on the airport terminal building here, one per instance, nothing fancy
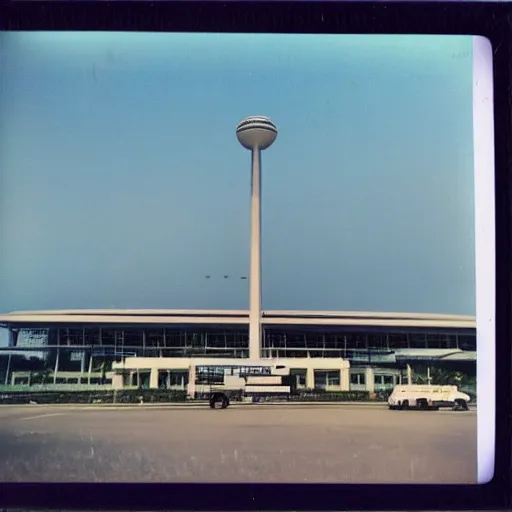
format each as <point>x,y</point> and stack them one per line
<point>183,349</point>
<point>176,349</point>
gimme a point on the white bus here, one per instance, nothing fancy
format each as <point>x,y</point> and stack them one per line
<point>245,381</point>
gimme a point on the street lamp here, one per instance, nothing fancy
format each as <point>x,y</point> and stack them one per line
<point>255,133</point>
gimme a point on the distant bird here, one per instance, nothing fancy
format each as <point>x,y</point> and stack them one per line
<point>208,277</point>
<point>225,277</point>
<point>243,277</point>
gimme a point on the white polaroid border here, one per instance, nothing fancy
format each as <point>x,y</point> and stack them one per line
<point>483,133</point>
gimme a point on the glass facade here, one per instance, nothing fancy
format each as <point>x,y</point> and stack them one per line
<point>38,351</point>
<point>360,344</point>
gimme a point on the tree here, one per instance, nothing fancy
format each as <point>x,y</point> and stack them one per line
<point>447,377</point>
<point>440,375</point>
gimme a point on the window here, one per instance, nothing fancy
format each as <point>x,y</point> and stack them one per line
<point>466,342</point>
<point>333,378</point>
<point>356,341</point>
<point>383,380</point>
<point>291,353</point>
<point>417,340</point>
<point>377,341</point>
<point>237,340</point>
<point>209,375</point>
<point>92,336</point>
<point>154,338</point>
<point>296,341</point>
<point>132,337</point>
<point>174,338</point>
<point>314,340</point>
<point>398,341</point>
<point>326,378</point>
<point>108,337</point>
<point>333,353</point>
<point>441,341</point>
<point>216,340</point>
<point>275,340</point>
<point>255,370</point>
<point>334,341</point>
<point>358,379</point>
<point>69,337</point>
<point>300,375</point>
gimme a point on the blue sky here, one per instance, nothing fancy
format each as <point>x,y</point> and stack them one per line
<point>122,183</point>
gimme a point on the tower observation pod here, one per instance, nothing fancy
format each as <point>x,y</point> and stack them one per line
<point>255,133</point>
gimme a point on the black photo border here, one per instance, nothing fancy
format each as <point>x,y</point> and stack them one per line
<point>492,20</point>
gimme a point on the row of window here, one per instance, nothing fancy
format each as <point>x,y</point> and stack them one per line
<point>233,339</point>
<point>323,379</point>
<point>364,341</point>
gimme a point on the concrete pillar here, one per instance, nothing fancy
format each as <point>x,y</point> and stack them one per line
<point>8,370</point>
<point>191,388</point>
<point>255,263</point>
<point>117,381</point>
<point>56,369</point>
<point>409,374</point>
<point>370,379</point>
<point>82,366</point>
<point>153,378</point>
<point>345,379</point>
<point>310,378</point>
<point>90,368</point>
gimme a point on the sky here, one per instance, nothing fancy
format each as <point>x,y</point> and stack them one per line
<point>122,184</point>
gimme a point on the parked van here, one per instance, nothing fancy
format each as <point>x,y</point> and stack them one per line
<point>428,397</point>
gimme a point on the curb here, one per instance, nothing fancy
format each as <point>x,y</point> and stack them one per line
<point>191,405</point>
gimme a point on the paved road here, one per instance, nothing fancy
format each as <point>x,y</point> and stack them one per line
<point>349,444</point>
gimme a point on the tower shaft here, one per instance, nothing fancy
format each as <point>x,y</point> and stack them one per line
<point>255,264</point>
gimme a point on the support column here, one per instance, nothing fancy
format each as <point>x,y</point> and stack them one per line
<point>90,368</point>
<point>255,257</point>
<point>345,379</point>
<point>117,381</point>
<point>82,367</point>
<point>56,369</point>
<point>8,370</point>
<point>370,379</point>
<point>191,388</point>
<point>153,378</point>
<point>310,378</point>
<point>409,374</point>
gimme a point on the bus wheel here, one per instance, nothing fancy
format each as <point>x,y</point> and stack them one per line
<point>422,404</point>
<point>404,405</point>
<point>461,405</point>
<point>219,401</point>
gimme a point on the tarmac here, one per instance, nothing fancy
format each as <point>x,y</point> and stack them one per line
<point>299,442</point>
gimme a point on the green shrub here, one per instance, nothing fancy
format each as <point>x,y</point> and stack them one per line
<point>132,396</point>
<point>331,396</point>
